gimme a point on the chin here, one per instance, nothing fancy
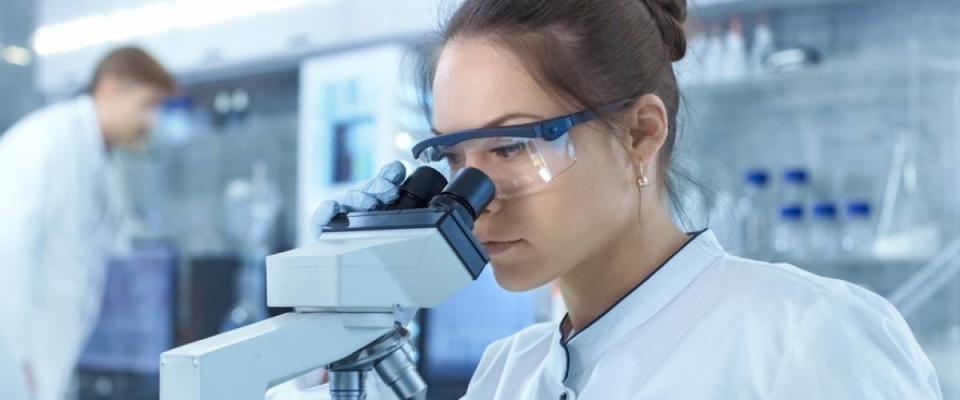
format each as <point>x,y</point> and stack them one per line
<point>517,278</point>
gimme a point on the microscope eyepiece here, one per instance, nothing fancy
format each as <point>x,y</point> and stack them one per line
<point>471,190</point>
<point>421,186</point>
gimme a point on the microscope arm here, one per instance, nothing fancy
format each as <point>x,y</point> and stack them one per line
<point>353,287</point>
<point>242,364</point>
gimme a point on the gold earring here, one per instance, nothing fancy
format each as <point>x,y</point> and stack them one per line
<point>643,181</point>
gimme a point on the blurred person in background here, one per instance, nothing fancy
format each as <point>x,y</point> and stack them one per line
<point>61,208</point>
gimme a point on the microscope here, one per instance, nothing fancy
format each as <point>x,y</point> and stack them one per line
<point>353,291</point>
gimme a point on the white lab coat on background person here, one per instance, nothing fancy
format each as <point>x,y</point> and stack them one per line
<point>59,212</point>
<point>711,326</point>
<point>12,381</point>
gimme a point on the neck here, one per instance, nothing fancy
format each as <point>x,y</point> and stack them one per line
<point>595,285</point>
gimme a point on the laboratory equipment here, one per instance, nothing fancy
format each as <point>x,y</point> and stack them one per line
<point>794,59</point>
<point>795,189</point>
<point>857,234</point>
<point>788,235</point>
<point>824,239</point>
<point>907,225</point>
<point>762,46</point>
<point>753,212</point>
<point>353,290</point>
<point>713,55</point>
<point>251,207</point>
<point>734,65</point>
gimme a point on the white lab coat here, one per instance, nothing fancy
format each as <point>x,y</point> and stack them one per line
<point>59,210</point>
<point>12,384</point>
<point>711,326</point>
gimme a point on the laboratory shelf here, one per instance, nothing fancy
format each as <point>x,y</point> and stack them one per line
<point>713,10</point>
<point>837,80</point>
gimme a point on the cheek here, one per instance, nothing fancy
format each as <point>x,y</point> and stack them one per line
<point>534,262</point>
<point>130,114</point>
<point>585,208</point>
<point>140,118</point>
<point>598,197</point>
<point>563,226</point>
<point>590,210</point>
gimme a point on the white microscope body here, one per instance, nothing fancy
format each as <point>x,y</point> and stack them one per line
<point>353,291</point>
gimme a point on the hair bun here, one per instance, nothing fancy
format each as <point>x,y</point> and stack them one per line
<point>670,16</point>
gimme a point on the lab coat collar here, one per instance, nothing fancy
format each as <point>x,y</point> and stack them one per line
<point>634,309</point>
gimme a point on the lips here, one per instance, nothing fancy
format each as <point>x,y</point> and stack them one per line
<point>494,247</point>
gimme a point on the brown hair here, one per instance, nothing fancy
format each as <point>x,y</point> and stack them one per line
<point>137,65</point>
<point>588,52</point>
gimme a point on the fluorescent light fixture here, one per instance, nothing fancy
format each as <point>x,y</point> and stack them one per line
<point>150,20</point>
<point>17,55</point>
<point>71,35</point>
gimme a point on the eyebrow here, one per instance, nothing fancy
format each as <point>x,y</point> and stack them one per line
<point>496,122</point>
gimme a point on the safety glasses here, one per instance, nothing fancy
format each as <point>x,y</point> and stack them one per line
<point>520,159</point>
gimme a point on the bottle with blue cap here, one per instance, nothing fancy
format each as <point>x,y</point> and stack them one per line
<point>789,233</point>
<point>753,213</point>
<point>824,239</point>
<point>796,187</point>
<point>788,236</point>
<point>857,236</point>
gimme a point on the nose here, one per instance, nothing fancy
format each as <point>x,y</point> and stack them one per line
<point>494,207</point>
<point>483,220</point>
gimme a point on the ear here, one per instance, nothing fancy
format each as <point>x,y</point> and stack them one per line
<point>648,127</point>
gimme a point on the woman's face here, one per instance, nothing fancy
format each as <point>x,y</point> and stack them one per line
<point>536,238</point>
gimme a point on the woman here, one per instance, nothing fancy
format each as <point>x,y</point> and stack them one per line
<point>571,107</point>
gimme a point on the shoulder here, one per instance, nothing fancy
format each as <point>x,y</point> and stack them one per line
<point>855,345</point>
<point>836,336</point>
<point>800,299</point>
<point>51,133</point>
<point>785,285</point>
<point>42,129</point>
<point>49,114</point>
<point>803,306</point>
